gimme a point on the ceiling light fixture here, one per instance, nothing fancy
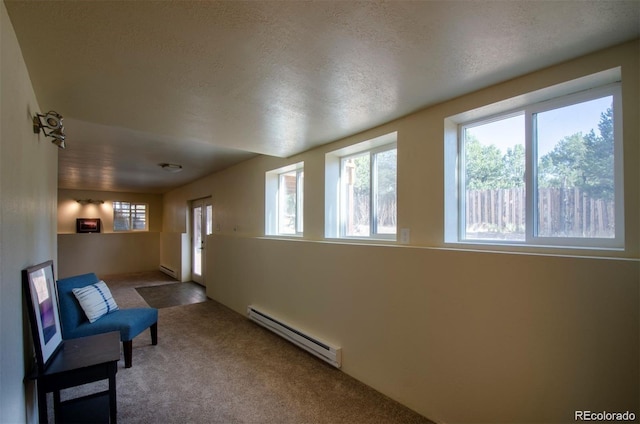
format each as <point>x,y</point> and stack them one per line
<point>51,126</point>
<point>90,201</point>
<point>170,167</point>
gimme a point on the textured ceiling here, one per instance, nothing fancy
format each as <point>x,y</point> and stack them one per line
<point>207,84</point>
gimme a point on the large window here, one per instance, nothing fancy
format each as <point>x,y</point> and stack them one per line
<point>368,193</point>
<point>285,200</point>
<point>548,173</point>
<point>365,204</point>
<point>129,216</point>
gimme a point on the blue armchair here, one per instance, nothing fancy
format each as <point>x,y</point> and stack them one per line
<point>129,322</point>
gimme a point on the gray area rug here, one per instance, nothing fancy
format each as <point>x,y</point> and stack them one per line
<point>176,294</point>
<point>213,365</point>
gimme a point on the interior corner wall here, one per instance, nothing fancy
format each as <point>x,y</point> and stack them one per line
<point>174,254</point>
<point>28,193</point>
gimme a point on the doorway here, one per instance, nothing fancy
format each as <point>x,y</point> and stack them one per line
<point>201,227</point>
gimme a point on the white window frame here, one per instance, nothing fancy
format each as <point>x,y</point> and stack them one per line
<point>132,211</point>
<point>595,86</point>
<point>334,189</point>
<point>273,195</point>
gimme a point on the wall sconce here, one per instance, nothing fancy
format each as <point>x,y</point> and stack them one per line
<point>89,201</point>
<point>51,125</point>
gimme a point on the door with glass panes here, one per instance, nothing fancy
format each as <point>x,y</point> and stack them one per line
<point>201,227</point>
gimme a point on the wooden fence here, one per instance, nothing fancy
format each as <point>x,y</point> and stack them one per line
<point>562,213</point>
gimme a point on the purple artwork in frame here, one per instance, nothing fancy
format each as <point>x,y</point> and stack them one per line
<point>40,290</point>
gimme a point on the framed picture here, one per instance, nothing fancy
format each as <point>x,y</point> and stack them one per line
<point>88,225</point>
<point>40,291</point>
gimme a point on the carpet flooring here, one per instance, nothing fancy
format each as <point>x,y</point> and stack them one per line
<point>213,365</point>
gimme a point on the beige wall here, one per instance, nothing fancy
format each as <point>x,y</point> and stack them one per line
<point>108,252</point>
<point>457,335</point>
<point>238,192</point>
<point>460,337</point>
<point>28,183</point>
<point>69,209</point>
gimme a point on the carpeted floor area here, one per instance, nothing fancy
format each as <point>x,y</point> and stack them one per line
<point>213,365</point>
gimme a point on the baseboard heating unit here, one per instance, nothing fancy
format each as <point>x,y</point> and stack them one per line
<point>322,350</point>
<point>168,271</point>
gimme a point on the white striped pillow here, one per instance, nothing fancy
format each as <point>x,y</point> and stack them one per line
<point>95,300</point>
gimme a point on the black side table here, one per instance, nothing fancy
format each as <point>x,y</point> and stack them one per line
<point>81,361</point>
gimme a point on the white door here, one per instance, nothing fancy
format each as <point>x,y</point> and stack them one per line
<point>201,227</point>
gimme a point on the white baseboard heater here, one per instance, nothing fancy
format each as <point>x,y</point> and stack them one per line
<point>168,271</point>
<point>322,350</point>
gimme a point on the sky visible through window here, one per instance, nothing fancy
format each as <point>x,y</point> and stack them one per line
<point>581,117</point>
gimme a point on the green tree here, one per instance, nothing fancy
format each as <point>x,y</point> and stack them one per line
<point>598,169</point>
<point>483,164</point>
<point>584,161</point>
<point>488,169</point>
<point>513,166</point>
<point>562,167</point>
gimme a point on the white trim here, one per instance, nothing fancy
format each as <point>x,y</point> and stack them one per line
<point>333,192</point>
<point>586,83</point>
<point>602,84</point>
<point>131,208</point>
<point>272,199</point>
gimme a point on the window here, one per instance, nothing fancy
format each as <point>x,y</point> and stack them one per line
<point>129,216</point>
<point>547,173</point>
<point>365,204</point>
<point>285,200</point>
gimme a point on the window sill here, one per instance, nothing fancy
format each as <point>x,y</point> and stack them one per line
<point>488,246</point>
<point>129,231</point>
<point>361,240</point>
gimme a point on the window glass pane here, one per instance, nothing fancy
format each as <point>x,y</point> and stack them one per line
<point>209,219</point>
<point>129,216</point>
<point>300,211</point>
<point>121,216</point>
<point>283,200</point>
<point>287,206</point>
<point>494,185</point>
<point>356,177</point>
<point>139,217</point>
<point>385,191</point>
<point>197,240</point>
<point>575,175</point>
